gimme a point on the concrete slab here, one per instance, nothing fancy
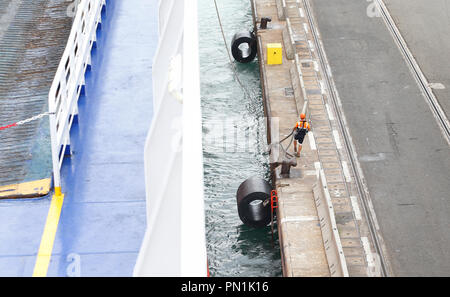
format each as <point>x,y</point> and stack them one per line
<point>297,211</point>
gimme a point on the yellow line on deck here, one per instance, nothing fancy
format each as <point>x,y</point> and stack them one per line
<point>48,237</point>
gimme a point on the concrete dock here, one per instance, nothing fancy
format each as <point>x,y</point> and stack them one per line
<point>307,249</point>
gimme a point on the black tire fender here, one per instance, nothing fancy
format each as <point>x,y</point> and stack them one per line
<point>253,202</point>
<point>247,55</point>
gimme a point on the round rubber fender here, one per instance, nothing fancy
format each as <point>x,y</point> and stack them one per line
<point>253,202</point>
<point>245,55</point>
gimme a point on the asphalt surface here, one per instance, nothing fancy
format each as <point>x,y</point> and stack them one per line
<point>425,26</point>
<point>404,157</point>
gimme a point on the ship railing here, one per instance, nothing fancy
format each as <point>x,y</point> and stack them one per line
<point>69,81</point>
<point>174,243</point>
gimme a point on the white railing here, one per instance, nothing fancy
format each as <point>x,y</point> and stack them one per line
<point>174,242</point>
<point>69,79</point>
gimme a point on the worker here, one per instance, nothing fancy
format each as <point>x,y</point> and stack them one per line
<point>300,130</point>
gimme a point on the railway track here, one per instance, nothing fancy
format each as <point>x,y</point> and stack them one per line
<point>431,99</point>
<point>335,101</point>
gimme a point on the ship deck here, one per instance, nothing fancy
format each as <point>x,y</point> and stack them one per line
<point>103,216</point>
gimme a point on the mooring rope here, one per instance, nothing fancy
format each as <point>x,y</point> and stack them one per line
<point>233,67</point>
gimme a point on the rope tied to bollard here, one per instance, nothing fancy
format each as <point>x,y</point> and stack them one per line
<point>233,67</point>
<point>280,143</point>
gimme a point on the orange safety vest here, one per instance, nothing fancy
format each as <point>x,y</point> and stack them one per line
<point>303,125</point>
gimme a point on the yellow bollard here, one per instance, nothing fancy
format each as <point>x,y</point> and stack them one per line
<point>274,54</point>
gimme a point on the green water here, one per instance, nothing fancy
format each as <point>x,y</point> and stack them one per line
<point>234,146</point>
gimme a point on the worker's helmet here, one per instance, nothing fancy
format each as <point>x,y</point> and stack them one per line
<point>302,116</point>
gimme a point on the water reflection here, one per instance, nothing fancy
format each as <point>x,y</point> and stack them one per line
<point>234,146</point>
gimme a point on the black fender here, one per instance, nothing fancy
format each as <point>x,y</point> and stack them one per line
<point>253,202</point>
<point>247,55</point>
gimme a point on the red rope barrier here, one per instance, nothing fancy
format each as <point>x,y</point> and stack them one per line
<point>8,126</point>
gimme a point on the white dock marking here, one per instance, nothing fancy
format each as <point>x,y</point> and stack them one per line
<point>316,66</point>
<point>348,177</point>
<point>322,87</point>
<point>318,167</point>
<point>369,256</point>
<point>373,158</point>
<point>436,86</point>
<point>330,113</point>
<point>305,27</point>
<point>299,219</point>
<point>312,142</point>
<point>337,139</point>
<point>302,13</point>
<point>355,207</point>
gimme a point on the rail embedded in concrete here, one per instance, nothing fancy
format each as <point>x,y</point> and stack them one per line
<point>281,9</point>
<point>69,80</point>
<point>424,85</point>
<point>288,40</point>
<point>330,234</point>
